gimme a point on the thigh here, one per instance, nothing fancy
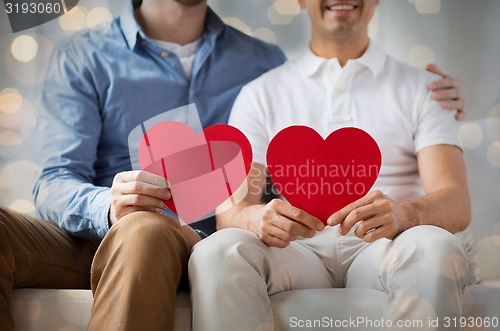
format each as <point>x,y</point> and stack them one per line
<point>242,252</point>
<point>40,254</point>
<point>367,266</point>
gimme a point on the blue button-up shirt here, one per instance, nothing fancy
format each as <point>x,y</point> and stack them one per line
<point>102,83</point>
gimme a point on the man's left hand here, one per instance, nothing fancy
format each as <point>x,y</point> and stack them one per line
<point>449,91</point>
<point>380,216</point>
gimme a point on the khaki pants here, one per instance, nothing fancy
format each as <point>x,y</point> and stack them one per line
<point>134,272</point>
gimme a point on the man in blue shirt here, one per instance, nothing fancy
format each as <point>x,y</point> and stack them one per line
<point>101,84</point>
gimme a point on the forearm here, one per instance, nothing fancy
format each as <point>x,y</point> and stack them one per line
<point>78,207</point>
<point>448,208</point>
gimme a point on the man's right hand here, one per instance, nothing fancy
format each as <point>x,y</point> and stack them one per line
<point>137,191</point>
<point>278,223</point>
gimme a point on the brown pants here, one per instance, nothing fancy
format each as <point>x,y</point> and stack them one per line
<point>134,272</point>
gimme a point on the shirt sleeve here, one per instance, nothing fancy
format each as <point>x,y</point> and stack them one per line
<point>67,135</point>
<point>248,115</point>
<point>435,125</point>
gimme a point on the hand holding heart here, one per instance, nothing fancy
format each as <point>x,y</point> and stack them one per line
<point>137,191</point>
<point>380,216</point>
<point>278,223</point>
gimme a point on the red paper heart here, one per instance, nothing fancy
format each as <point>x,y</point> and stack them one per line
<point>204,170</point>
<point>322,176</point>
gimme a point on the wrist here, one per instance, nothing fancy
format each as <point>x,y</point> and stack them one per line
<point>412,213</point>
<point>251,217</point>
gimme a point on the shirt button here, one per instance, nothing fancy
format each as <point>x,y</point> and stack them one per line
<point>192,93</point>
<point>144,43</point>
<point>164,54</point>
<point>338,91</point>
<point>328,66</point>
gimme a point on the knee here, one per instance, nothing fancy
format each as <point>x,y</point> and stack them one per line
<point>146,229</point>
<point>436,250</point>
<point>228,246</point>
<point>433,241</point>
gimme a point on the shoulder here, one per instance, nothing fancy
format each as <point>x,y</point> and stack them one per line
<point>407,76</point>
<point>77,46</point>
<point>277,78</point>
<point>252,46</point>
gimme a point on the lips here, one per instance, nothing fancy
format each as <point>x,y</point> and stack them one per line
<point>341,5</point>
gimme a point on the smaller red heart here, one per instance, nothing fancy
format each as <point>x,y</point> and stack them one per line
<point>323,176</point>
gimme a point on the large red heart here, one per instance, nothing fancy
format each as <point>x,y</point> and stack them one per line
<point>323,176</point>
<point>204,169</point>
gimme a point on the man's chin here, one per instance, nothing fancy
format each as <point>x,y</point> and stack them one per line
<point>190,3</point>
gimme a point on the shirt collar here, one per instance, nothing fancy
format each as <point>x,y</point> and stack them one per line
<point>133,32</point>
<point>373,58</point>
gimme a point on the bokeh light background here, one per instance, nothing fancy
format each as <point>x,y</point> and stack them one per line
<point>461,36</point>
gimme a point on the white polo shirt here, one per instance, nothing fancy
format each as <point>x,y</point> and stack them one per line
<point>377,93</point>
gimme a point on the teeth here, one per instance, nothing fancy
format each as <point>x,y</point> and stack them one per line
<point>341,7</point>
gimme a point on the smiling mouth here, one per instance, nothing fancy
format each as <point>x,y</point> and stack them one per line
<point>341,7</point>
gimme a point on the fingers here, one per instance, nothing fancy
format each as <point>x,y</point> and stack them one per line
<point>137,190</point>
<point>282,234</point>
<point>144,188</point>
<point>445,83</point>
<point>139,200</point>
<point>143,176</point>
<point>296,214</point>
<point>354,217</point>
<point>293,228</point>
<point>368,225</point>
<point>461,115</point>
<point>380,232</point>
<point>447,94</point>
<point>272,241</point>
<point>434,69</point>
<point>459,105</point>
<point>341,215</point>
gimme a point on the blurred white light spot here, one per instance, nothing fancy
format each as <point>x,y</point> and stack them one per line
<point>496,227</point>
<point>428,6</point>
<point>493,154</point>
<point>277,18</point>
<point>454,266</point>
<point>493,124</point>
<point>24,48</point>
<point>265,34</point>
<point>18,178</point>
<point>470,135</point>
<point>23,206</point>
<point>10,100</point>
<point>238,24</point>
<point>7,175</point>
<point>31,309</point>
<point>287,7</point>
<point>487,251</point>
<point>22,123</point>
<point>97,16</point>
<point>420,55</point>
<point>73,20</point>
<point>30,73</point>
<point>9,138</point>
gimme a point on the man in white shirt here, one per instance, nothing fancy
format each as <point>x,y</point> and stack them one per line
<point>397,239</point>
